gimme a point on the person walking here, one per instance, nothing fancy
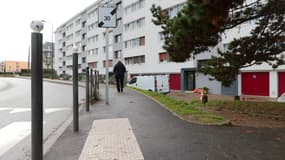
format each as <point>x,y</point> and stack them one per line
<point>119,71</point>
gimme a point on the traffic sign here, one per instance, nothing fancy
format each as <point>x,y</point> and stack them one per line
<point>107,16</point>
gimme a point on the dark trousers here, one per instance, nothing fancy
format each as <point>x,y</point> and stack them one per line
<point>120,83</point>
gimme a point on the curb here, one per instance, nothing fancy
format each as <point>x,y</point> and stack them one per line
<point>224,123</point>
<point>50,140</point>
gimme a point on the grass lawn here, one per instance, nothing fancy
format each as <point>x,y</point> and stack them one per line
<point>184,109</point>
<point>195,111</point>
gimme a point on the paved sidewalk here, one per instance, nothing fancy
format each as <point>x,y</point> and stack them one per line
<point>162,136</point>
<point>111,139</point>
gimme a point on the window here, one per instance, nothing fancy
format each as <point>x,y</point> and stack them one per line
<point>134,7</point>
<point>83,48</point>
<point>161,37</point>
<point>225,47</point>
<point>69,47</point>
<point>110,63</point>
<point>91,26</point>
<point>104,49</point>
<point>69,37</point>
<point>83,24</point>
<point>172,12</point>
<point>92,14</point>
<point>69,27</point>
<point>118,38</point>
<point>163,57</point>
<point>139,23</point>
<point>93,39</point>
<point>119,22</point>
<point>142,41</point>
<point>110,49</point>
<point>104,35</point>
<point>77,33</point>
<point>93,64</point>
<point>63,63</point>
<point>117,54</point>
<point>83,36</point>
<point>135,42</point>
<point>78,44</point>
<point>135,60</point>
<point>63,54</point>
<point>83,59</point>
<point>202,63</point>
<point>77,22</point>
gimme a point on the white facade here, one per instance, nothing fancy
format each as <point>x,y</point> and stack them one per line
<point>153,42</point>
<point>139,58</point>
<point>138,43</point>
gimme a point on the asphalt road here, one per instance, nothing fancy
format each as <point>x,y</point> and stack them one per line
<point>15,114</point>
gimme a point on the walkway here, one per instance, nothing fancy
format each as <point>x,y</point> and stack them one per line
<point>162,136</point>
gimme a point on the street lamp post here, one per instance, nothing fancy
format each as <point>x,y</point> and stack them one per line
<point>52,44</point>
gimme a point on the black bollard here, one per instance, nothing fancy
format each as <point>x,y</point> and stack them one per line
<point>87,89</point>
<point>75,91</point>
<point>91,85</point>
<point>37,96</point>
<point>96,85</point>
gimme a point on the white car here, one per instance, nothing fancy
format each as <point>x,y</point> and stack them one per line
<point>155,83</point>
<point>281,98</point>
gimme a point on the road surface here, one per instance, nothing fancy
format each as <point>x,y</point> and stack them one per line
<point>15,114</point>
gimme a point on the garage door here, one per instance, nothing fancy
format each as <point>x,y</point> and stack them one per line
<point>281,83</point>
<point>174,81</point>
<point>255,83</point>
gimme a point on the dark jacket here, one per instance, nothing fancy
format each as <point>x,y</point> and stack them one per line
<point>119,69</point>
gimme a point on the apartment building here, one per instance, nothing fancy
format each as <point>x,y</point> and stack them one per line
<point>47,55</point>
<point>82,32</point>
<point>258,80</point>
<point>137,42</point>
<point>13,66</point>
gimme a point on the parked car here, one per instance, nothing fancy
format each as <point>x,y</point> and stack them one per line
<point>156,83</point>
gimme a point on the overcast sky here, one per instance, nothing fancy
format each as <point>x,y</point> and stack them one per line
<point>16,15</point>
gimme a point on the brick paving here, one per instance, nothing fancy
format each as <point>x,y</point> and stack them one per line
<point>111,139</point>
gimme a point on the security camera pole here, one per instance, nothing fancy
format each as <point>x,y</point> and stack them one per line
<point>107,19</point>
<point>37,90</point>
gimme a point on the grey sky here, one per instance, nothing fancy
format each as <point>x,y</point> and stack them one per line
<point>16,16</point>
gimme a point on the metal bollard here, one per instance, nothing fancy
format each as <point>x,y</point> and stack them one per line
<point>75,90</point>
<point>87,89</point>
<point>37,91</point>
<point>91,85</point>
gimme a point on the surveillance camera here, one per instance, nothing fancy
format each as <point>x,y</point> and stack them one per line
<point>37,26</point>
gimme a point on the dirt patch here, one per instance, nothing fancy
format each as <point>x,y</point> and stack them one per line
<point>243,119</point>
<point>236,118</point>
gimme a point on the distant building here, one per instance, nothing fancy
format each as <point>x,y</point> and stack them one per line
<point>13,66</point>
<point>47,55</point>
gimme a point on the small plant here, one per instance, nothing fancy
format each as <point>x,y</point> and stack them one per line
<point>206,90</point>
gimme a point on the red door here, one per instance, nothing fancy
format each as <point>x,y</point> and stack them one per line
<point>255,83</point>
<point>174,81</point>
<point>281,83</point>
